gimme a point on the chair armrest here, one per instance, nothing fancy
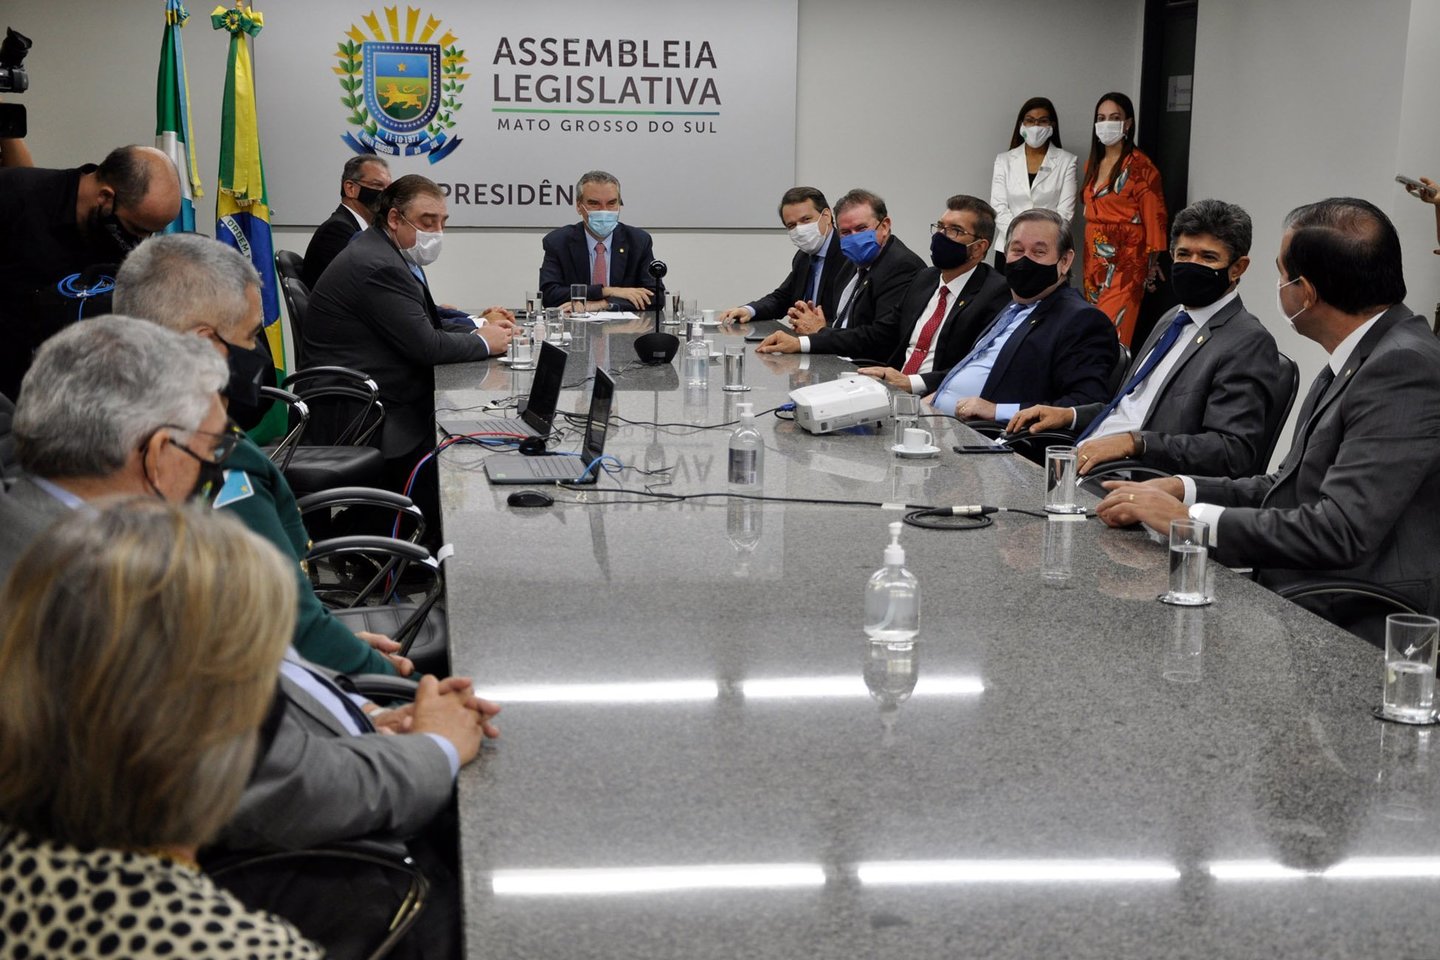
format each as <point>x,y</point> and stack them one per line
<point>380,686</point>
<point>310,373</point>
<point>1340,586</point>
<point>389,546</point>
<point>347,496</point>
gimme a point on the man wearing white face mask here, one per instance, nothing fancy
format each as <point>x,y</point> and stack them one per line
<point>372,311</point>
<point>811,225</point>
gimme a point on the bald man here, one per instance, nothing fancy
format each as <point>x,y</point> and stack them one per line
<point>58,229</point>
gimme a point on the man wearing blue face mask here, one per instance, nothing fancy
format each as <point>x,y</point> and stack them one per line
<point>878,268</point>
<point>611,258</point>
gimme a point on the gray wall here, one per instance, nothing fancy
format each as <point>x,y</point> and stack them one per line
<point>1297,100</point>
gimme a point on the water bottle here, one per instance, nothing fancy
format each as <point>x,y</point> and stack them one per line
<point>695,362</point>
<point>892,597</point>
<point>747,452</point>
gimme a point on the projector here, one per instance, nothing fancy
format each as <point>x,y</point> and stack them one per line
<point>827,407</point>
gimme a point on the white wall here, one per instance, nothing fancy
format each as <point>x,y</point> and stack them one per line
<point>1298,100</point>
<point>911,98</point>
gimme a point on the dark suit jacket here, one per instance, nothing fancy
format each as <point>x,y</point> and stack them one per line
<point>887,340</point>
<point>1356,495</point>
<point>330,238</point>
<point>1209,416</point>
<point>1062,355</point>
<point>567,260</point>
<point>773,305</point>
<point>882,284</point>
<point>370,313</point>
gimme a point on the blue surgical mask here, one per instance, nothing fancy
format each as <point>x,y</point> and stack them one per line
<point>602,222</point>
<point>860,248</point>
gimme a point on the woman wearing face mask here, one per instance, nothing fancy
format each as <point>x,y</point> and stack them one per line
<point>1125,219</point>
<point>1033,173</point>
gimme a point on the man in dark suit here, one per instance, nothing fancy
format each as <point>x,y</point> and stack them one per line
<point>372,311</point>
<point>943,310</point>
<point>1199,392</point>
<point>1047,345</point>
<point>610,257</point>
<point>361,181</point>
<point>877,270</point>
<point>1355,497</point>
<point>816,266</point>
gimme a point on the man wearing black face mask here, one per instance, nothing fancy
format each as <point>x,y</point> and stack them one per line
<point>936,322</point>
<point>1047,345</point>
<point>361,181</point>
<point>1197,394</point>
<point>56,224</point>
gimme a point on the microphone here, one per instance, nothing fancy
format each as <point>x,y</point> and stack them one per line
<point>657,348</point>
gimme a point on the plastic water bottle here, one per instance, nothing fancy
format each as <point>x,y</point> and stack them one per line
<point>892,597</point>
<point>696,358</point>
<point>747,452</point>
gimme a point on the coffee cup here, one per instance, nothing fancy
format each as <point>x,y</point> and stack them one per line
<point>916,440</point>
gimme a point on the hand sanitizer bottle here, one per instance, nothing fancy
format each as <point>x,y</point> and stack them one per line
<point>892,597</point>
<point>747,451</point>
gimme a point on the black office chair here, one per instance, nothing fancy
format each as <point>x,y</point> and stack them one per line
<point>283,451</point>
<point>290,265</point>
<point>1352,605</point>
<point>297,305</point>
<point>341,406</point>
<point>1122,365</point>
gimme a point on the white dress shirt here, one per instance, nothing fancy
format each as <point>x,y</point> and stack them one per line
<point>917,383</point>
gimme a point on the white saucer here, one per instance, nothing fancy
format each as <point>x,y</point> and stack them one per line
<point>716,355</point>
<point>707,323</point>
<point>921,454</point>
<point>527,365</point>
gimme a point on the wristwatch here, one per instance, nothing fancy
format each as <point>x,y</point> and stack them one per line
<point>1139,442</point>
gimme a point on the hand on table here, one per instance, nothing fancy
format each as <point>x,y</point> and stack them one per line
<point>450,708</point>
<point>496,337</point>
<point>639,297</point>
<point>893,378</point>
<point>779,342</point>
<point>975,408</point>
<point>1092,453</point>
<point>499,316</point>
<point>806,318</point>
<point>735,315</point>
<point>1154,503</point>
<point>1041,417</point>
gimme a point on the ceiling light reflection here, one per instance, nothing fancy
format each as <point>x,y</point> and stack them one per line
<point>738,876</point>
<point>1252,870</point>
<point>783,688</point>
<point>660,691</point>
<point>1384,868</point>
<point>897,872</point>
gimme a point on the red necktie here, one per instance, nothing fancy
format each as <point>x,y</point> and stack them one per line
<point>927,334</point>
<point>599,274</point>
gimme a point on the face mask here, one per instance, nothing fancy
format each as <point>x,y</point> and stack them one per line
<point>109,225</point>
<point>1028,278</point>
<point>367,196</point>
<point>249,371</point>
<point>860,248</point>
<point>1036,136</point>
<point>807,237</point>
<point>1198,285</point>
<point>947,254</point>
<point>1280,304</point>
<point>208,483</point>
<point>1109,131</point>
<point>602,222</point>
<point>427,246</point>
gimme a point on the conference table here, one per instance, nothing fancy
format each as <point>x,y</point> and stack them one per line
<point>703,756</point>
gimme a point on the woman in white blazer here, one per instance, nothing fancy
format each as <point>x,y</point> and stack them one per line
<point>1034,172</point>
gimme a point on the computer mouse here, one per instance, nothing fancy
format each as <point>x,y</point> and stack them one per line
<point>530,498</point>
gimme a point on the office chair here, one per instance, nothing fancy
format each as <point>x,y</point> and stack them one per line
<point>346,404</point>
<point>297,305</point>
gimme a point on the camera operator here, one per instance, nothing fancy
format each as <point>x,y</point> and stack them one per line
<point>14,152</point>
<point>59,224</point>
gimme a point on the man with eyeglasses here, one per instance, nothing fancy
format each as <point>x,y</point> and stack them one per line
<point>611,258</point>
<point>361,181</point>
<point>113,407</point>
<point>60,230</point>
<point>878,268</point>
<point>943,310</point>
<point>816,267</point>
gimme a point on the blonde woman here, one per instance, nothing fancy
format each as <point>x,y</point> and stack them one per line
<point>139,646</point>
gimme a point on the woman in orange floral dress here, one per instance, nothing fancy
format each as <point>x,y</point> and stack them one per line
<point>1125,222</point>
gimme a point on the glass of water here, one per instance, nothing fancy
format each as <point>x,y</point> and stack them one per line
<point>1410,644</point>
<point>579,299</point>
<point>735,368</point>
<point>1060,480</point>
<point>905,408</point>
<point>1189,555</point>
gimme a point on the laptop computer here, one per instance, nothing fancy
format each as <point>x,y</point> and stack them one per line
<point>539,413</point>
<point>518,468</point>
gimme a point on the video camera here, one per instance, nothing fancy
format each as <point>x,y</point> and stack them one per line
<point>13,79</point>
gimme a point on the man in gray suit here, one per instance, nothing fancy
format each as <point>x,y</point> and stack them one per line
<point>1198,393</point>
<point>1355,497</point>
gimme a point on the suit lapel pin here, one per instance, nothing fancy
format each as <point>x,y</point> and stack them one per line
<point>621,250</point>
<point>1200,339</point>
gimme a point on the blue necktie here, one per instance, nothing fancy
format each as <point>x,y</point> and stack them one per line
<point>812,291</point>
<point>982,344</point>
<point>1162,347</point>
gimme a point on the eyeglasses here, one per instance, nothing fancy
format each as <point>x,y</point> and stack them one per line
<point>953,232</point>
<point>1037,122</point>
<point>225,442</point>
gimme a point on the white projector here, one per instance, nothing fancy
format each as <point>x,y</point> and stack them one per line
<point>827,407</point>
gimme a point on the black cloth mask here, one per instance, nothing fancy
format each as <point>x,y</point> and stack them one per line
<point>1027,278</point>
<point>947,254</point>
<point>1197,285</point>
<point>250,369</point>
